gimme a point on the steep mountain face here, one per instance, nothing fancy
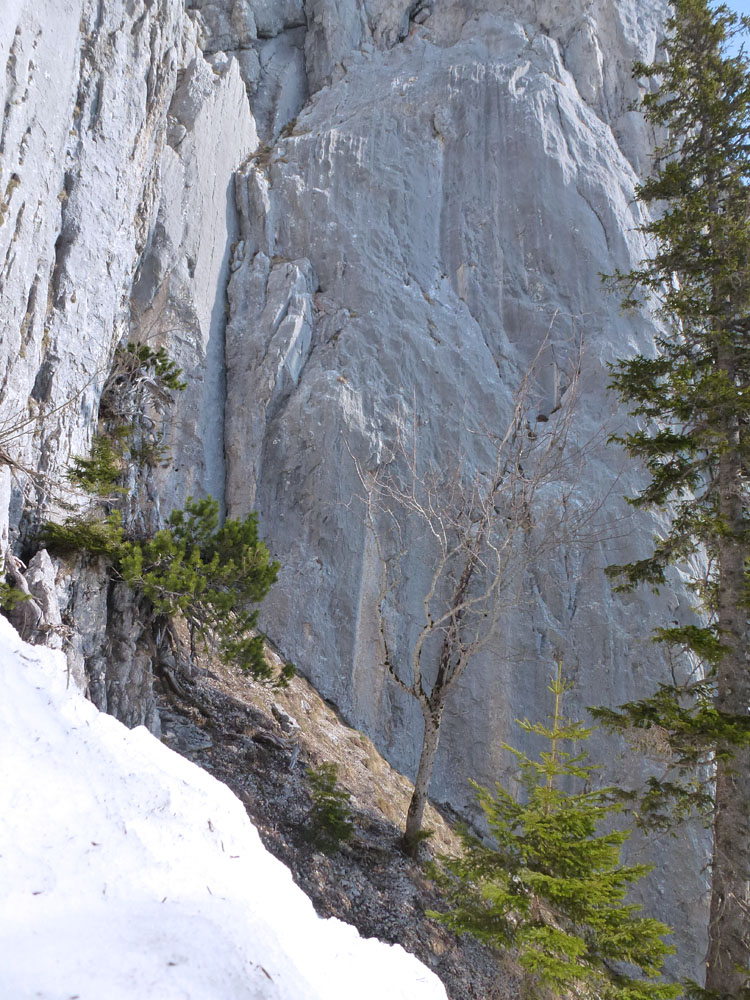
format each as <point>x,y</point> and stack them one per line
<point>335,214</point>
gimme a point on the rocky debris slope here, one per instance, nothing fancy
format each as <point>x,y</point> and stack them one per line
<point>261,743</point>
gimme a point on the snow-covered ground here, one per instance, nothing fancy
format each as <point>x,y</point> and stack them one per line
<point>128,872</point>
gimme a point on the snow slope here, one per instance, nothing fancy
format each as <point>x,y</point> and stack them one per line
<point>126,871</point>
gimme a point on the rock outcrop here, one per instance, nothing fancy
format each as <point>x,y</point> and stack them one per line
<point>334,214</point>
<point>117,157</point>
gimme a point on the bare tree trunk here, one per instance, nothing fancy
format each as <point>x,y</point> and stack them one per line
<point>728,956</point>
<point>433,714</point>
<point>477,528</point>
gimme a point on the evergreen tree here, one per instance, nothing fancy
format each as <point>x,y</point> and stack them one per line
<point>550,884</point>
<point>331,822</point>
<point>211,574</point>
<point>694,400</point>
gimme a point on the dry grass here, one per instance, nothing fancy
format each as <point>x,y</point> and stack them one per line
<point>374,785</point>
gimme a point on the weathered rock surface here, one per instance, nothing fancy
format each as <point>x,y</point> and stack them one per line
<point>267,39</point>
<point>179,295</point>
<point>438,188</point>
<point>85,93</point>
<point>424,225</point>
<point>117,153</point>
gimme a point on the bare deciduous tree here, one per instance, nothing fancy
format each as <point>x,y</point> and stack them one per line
<point>482,530</point>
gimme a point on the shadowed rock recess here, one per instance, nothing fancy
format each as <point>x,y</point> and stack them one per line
<point>345,220</point>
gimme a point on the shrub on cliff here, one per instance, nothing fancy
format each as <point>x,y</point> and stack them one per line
<point>211,574</point>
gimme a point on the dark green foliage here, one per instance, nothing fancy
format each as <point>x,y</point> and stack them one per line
<point>287,672</point>
<point>702,239</point>
<point>211,574</point>
<point>11,597</point>
<point>139,374</point>
<point>141,380</point>
<point>93,533</point>
<point>126,441</point>
<point>331,814</point>
<point>690,717</point>
<point>550,884</point>
<point>695,406</point>
<point>154,364</point>
<point>101,473</point>
<point>208,573</point>
<point>693,399</point>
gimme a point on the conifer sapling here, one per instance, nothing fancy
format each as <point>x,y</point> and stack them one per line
<point>549,883</point>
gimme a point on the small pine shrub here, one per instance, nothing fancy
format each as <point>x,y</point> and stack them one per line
<point>139,373</point>
<point>100,474</point>
<point>148,364</point>
<point>552,885</point>
<point>211,574</point>
<point>287,672</point>
<point>11,596</point>
<point>142,381</point>
<point>331,815</point>
<point>93,533</point>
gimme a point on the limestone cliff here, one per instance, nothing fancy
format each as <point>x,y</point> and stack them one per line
<point>332,213</point>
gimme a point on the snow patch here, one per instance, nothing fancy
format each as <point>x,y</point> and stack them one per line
<point>126,871</point>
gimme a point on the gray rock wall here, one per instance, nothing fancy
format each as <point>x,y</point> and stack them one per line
<point>85,93</point>
<point>446,200</point>
<point>436,188</point>
<point>412,238</point>
<point>118,147</point>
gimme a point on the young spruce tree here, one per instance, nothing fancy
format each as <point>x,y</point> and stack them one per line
<point>694,400</point>
<point>551,884</point>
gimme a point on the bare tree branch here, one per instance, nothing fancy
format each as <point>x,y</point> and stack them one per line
<point>482,530</point>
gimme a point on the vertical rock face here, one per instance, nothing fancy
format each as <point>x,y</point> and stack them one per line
<point>436,191</point>
<point>179,295</point>
<point>117,153</point>
<point>267,38</point>
<point>432,216</point>
<point>85,93</point>
<point>445,201</point>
